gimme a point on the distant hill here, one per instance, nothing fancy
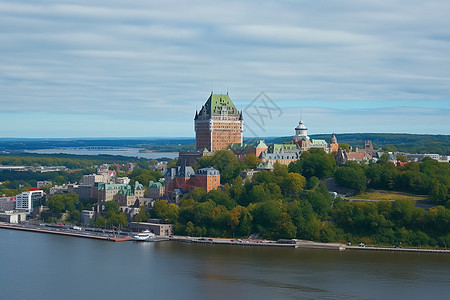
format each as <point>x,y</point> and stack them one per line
<point>168,144</point>
<point>413,143</point>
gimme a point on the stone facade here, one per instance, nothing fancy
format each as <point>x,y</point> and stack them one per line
<point>218,124</point>
<point>186,179</point>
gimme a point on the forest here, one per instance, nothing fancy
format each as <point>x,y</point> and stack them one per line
<point>291,202</point>
<point>288,202</point>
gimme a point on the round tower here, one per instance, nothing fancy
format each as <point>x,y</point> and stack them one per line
<point>301,132</point>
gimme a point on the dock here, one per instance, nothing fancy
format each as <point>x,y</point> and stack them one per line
<point>397,249</point>
<point>233,242</point>
<point>81,234</point>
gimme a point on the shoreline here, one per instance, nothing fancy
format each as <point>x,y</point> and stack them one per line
<point>73,234</point>
<point>299,244</point>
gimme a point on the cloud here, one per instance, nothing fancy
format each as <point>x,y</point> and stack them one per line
<point>149,63</point>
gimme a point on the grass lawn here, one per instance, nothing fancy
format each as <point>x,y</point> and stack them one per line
<point>388,195</point>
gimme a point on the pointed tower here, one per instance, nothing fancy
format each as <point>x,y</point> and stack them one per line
<point>218,124</point>
<point>334,146</point>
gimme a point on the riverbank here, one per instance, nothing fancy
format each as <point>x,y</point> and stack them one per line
<point>294,243</point>
<point>61,231</point>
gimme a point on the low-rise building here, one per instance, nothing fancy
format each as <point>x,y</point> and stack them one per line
<point>122,180</point>
<point>156,189</point>
<point>281,153</point>
<point>12,216</point>
<point>27,201</point>
<point>128,195</point>
<point>86,216</point>
<point>157,228</point>
<point>7,203</point>
<point>186,179</point>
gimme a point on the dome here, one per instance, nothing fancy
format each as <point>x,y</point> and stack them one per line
<point>300,126</point>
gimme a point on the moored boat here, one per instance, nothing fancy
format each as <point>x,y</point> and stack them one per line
<point>145,236</point>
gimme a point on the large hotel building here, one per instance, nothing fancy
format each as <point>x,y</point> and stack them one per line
<point>218,124</point>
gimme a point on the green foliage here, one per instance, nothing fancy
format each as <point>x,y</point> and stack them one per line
<point>144,176</point>
<point>352,176</point>
<point>62,203</point>
<point>251,161</point>
<point>142,215</point>
<point>276,205</point>
<point>314,162</point>
<point>224,161</point>
<point>312,183</point>
<point>163,210</point>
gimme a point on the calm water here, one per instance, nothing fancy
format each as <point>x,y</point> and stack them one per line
<point>133,152</point>
<point>43,266</point>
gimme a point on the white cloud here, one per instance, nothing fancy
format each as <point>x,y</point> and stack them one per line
<point>151,60</point>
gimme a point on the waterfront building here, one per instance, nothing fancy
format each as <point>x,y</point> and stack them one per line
<point>12,216</point>
<point>86,216</point>
<point>157,228</point>
<point>281,153</point>
<point>107,191</point>
<point>218,124</point>
<point>156,189</point>
<point>128,195</point>
<point>184,179</point>
<point>27,201</point>
<point>7,203</point>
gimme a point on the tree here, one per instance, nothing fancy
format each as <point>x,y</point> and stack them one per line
<point>314,162</point>
<point>351,177</point>
<point>401,158</point>
<point>142,215</point>
<point>224,161</point>
<point>251,160</point>
<point>163,210</point>
<point>292,184</point>
<point>111,206</point>
<point>100,222</point>
<point>189,228</point>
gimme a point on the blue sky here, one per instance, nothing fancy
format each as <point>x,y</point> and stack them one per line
<point>140,68</point>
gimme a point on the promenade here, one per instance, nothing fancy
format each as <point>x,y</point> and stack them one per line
<point>294,243</point>
<point>68,232</point>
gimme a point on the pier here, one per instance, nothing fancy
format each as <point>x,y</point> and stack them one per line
<point>66,232</point>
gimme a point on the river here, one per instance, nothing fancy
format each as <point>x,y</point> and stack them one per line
<point>44,266</point>
<point>132,152</point>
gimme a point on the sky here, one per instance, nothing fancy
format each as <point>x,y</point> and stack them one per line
<point>141,68</point>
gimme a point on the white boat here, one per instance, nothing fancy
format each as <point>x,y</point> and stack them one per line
<point>145,236</point>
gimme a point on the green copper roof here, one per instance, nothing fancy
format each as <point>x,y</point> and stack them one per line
<point>282,147</point>
<point>155,185</point>
<point>318,143</point>
<point>218,103</point>
<point>261,144</point>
